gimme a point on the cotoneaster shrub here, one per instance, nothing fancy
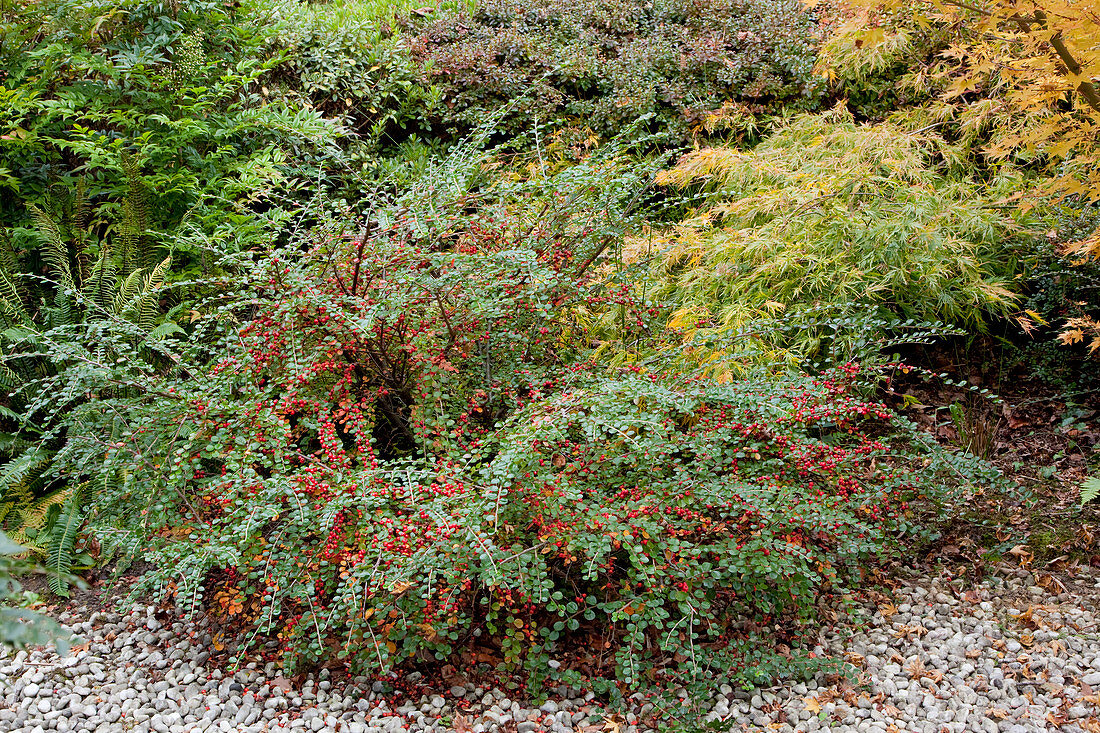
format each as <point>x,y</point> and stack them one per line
<point>389,448</point>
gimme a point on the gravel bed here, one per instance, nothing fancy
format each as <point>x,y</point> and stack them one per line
<point>1003,657</point>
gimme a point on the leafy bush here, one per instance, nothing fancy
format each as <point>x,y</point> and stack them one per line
<point>146,93</point>
<point>119,125</point>
<point>600,64</point>
<point>1021,76</point>
<point>350,59</point>
<point>828,212</point>
<point>893,69</point>
<point>389,446</point>
<point>19,627</point>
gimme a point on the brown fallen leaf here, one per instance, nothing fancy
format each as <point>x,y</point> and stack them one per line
<point>282,683</point>
<point>1023,553</point>
<point>462,724</point>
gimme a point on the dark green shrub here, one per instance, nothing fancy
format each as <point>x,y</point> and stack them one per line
<point>149,94</point>
<point>350,60</point>
<point>120,124</point>
<point>600,64</point>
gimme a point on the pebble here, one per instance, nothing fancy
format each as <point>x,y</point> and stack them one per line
<point>934,660</point>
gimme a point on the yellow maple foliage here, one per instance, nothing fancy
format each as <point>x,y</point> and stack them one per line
<point>1025,74</point>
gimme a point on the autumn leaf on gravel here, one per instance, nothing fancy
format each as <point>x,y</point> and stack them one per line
<point>1050,584</point>
<point>1027,619</point>
<point>998,713</point>
<point>282,683</point>
<point>462,724</point>
<point>612,726</point>
<point>908,631</point>
<point>812,704</point>
<point>915,669</point>
<point>1057,719</point>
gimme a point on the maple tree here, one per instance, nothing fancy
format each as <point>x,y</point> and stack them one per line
<point>1021,72</point>
<point>1017,79</point>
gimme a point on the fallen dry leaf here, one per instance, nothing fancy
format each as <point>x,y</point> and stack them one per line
<point>1025,555</point>
<point>282,683</point>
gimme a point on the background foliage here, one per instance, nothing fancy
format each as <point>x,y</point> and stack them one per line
<point>388,333</point>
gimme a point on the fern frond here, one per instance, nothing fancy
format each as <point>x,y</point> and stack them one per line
<point>1090,489</point>
<point>17,471</point>
<point>62,543</point>
<point>9,378</point>
<point>146,309</point>
<point>63,309</point>
<point>55,250</point>
<point>78,229</point>
<point>35,514</point>
<point>101,281</point>
<point>137,298</point>
<point>135,218</point>
<point>11,305</point>
<point>128,292</point>
<point>81,205</point>
<point>15,503</point>
<point>11,297</point>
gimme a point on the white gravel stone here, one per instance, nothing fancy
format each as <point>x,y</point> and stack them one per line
<point>939,657</point>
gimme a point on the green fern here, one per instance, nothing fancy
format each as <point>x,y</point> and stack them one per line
<point>1090,489</point>
<point>14,502</point>
<point>35,517</point>
<point>102,280</point>
<point>21,469</point>
<point>55,249</point>
<point>62,544</point>
<point>135,218</point>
